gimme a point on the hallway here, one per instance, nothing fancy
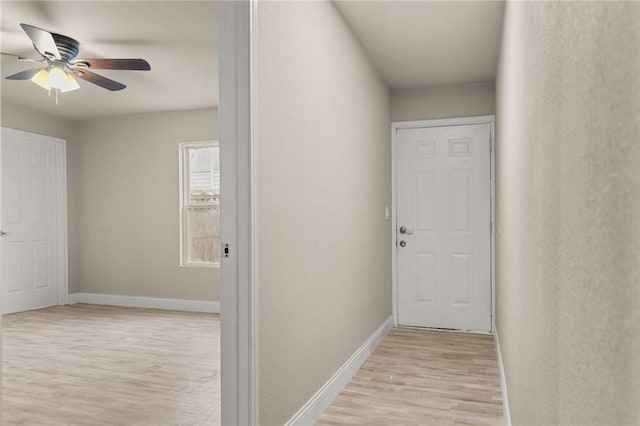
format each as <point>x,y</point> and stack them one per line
<point>423,377</point>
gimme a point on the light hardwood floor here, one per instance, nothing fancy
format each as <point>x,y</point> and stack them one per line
<point>98,365</point>
<point>423,377</point>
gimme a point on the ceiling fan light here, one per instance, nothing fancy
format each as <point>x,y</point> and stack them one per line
<point>71,84</point>
<point>42,79</point>
<point>57,78</point>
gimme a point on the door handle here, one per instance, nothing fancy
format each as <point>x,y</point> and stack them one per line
<point>404,230</point>
<point>403,243</point>
<point>5,234</point>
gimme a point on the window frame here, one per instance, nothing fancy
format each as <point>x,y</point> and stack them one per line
<point>183,171</point>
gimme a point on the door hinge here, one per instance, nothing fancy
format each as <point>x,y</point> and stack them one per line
<point>225,249</point>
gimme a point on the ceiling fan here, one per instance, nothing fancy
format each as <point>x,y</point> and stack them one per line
<point>60,65</point>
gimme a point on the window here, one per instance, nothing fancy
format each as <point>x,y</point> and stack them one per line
<point>200,204</point>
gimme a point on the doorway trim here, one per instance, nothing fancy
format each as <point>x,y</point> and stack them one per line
<point>62,232</point>
<point>239,192</point>
<point>445,122</point>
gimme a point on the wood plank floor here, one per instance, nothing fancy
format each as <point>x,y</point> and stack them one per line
<point>98,365</point>
<point>423,377</point>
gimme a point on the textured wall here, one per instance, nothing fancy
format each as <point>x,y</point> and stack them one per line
<point>451,101</point>
<point>128,211</point>
<point>568,199</point>
<point>29,120</point>
<point>324,166</point>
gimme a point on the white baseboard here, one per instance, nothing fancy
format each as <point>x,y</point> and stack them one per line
<point>145,302</point>
<point>313,409</point>
<point>503,381</point>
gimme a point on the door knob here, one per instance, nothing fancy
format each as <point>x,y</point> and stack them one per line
<point>403,243</point>
<point>404,230</point>
<point>5,234</point>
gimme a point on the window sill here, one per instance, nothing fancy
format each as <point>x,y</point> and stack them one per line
<point>200,265</point>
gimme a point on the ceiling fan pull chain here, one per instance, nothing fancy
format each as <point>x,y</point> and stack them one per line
<point>57,91</point>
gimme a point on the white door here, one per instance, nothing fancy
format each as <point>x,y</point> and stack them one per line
<point>30,221</point>
<point>443,190</point>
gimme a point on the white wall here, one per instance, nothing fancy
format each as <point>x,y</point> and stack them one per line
<point>29,120</point>
<point>450,101</point>
<point>324,167</point>
<point>568,203</point>
<point>122,182</point>
<point>127,205</point>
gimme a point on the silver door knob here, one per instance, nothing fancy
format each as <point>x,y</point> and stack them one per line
<point>403,243</point>
<point>5,234</point>
<point>404,230</point>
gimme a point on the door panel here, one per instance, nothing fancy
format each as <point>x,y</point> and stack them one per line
<point>425,184</point>
<point>29,215</point>
<point>12,267</point>
<point>425,277</point>
<point>443,201</point>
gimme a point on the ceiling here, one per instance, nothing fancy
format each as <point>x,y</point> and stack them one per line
<point>428,43</point>
<point>178,39</point>
<point>411,43</point>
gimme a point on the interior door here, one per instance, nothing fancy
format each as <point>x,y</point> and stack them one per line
<point>29,222</point>
<point>443,178</point>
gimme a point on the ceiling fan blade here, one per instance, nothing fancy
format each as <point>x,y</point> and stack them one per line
<point>115,64</point>
<point>24,75</point>
<point>99,80</point>
<point>42,40</point>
